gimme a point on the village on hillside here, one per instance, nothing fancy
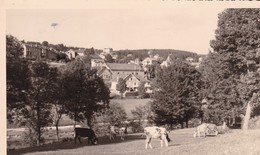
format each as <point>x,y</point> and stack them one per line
<point>133,70</point>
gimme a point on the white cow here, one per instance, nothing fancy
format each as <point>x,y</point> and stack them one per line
<point>156,132</point>
<point>114,130</point>
<point>201,130</point>
<point>204,129</point>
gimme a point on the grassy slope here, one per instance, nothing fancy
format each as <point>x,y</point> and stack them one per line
<point>130,104</point>
<point>236,142</point>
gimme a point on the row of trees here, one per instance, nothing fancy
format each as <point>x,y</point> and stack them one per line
<point>38,95</point>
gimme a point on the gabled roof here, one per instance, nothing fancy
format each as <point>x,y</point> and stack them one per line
<point>124,67</point>
<point>138,77</point>
<point>101,70</point>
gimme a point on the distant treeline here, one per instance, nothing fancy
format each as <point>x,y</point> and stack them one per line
<point>137,53</point>
<point>143,53</point>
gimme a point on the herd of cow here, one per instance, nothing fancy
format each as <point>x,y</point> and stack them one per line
<point>153,132</point>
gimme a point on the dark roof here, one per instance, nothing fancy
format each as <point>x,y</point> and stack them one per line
<point>124,67</point>
<point>95,56</point>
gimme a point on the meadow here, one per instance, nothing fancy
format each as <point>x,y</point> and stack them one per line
<point>235,142</point>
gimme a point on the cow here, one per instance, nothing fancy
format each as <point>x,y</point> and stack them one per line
<point>200,130</point>
<point>156,132</point>
<point>85,132</point>
<point>204,129</point>
<point>114,130</point>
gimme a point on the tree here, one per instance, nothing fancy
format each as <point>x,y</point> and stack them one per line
<point>45,43</point>
<point>109,58</point>
<point>90,51</point>
<point>151,71</point>
<point>114,115</point>
<point>36,113</point>
<point>177,96</point>
<point>236,44</point>
<point>121,86</point>
<point>141,89</point>
<point>141,113</point>
<point>17,76</point>
<point>58,101</point>
<point>85,92</point>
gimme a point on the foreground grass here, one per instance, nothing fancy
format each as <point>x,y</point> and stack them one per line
<point>234,143</point>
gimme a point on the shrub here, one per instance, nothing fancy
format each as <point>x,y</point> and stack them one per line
<point>127,94</point>
<point>254,123</point>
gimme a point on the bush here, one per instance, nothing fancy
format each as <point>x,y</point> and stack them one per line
<point>101,130</point>
<point>147,95</point>
<point>136,128</point>
<point>254,123</point>
<point>128,94</point>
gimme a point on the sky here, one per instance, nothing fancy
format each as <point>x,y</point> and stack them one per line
<point>139,26</point>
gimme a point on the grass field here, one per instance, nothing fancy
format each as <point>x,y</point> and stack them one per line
<point>130,104</point>
<point>235,142</point>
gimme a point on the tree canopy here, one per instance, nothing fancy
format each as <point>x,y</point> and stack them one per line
<point>177,94</point>
<point>231,70</point>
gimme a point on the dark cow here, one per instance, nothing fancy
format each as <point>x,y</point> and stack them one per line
<point>85,132</point>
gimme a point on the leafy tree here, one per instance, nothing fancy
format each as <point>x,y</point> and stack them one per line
<point>62,56</point>
<point>17,76</point>
<point>36,113</point>
<point>45,43</point>
<point>141,90</point>
<point>114,115</point>
<point>237,48</point>
<point>121,86</point>
<point>109,58</point>
<point>141,113</point>
<point>177,96</point>
<point>85,92</point>
<point>58,101</point>
<point>90,51</point>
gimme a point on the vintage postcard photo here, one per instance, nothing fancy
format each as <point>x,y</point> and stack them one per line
<point>131,77</point>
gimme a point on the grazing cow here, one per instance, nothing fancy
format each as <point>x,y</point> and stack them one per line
<point>200,130</point>
<point>212,129</point>
<point>156,132</point>
<point>205,129</point>
<point>114,130</point>
<point>85,132</point>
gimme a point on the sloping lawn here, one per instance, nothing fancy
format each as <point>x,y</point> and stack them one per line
<point>130,104</point>
<point>235,142</point>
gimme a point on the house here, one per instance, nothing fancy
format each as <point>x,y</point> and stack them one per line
<point>136,61</point>
<point>150,60</point>
<point>96,61</point>
<point>167,62</point>
<point>80,52</point>
<point>133,81</point>
<point>112,72</point>
<point>71,54</point>
<point>105,52</point>
<point>39,52</point>
<point>189,59</point>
